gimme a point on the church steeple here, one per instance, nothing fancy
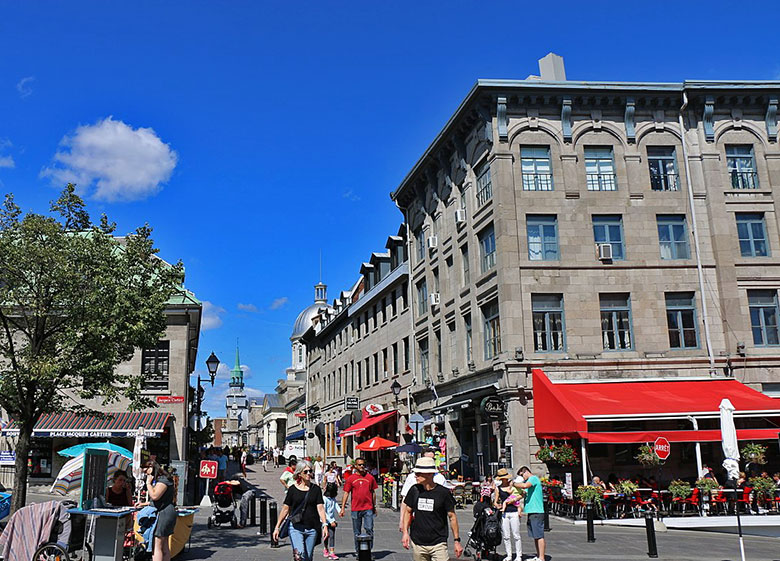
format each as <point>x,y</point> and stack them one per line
<point>237,375</point>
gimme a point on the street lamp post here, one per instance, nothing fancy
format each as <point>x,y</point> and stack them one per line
<point>396,389</point>
<point>212,363</point>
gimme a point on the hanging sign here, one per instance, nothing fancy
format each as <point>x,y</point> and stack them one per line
<point>374,409</point>
<point>492,406</point>
<point>351,403</point>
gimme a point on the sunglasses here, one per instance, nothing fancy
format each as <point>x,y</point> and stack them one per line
<point>306,471</point>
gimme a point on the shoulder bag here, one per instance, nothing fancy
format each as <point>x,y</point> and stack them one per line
<point>293,518</point>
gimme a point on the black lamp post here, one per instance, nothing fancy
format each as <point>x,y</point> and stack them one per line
<point>212,363</point>
<point>396,389</point>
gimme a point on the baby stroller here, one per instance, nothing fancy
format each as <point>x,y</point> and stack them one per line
<point>485,534</point>
<point>224,509</point>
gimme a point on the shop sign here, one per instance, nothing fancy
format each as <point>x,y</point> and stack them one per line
<point>492,406</point>
<point>7,457</point>
<point>351,403</point>
<point>567,486</point>
<point>167,399</point>
<point>662,448</point>
<point>91,433</point>
<point>374,409</point>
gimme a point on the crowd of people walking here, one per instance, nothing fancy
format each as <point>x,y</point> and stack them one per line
<point>311,510</point>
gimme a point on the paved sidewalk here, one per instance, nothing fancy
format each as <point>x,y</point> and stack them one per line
<point>565,541</point>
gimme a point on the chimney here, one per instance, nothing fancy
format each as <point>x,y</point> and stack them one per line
<point>551,68</point>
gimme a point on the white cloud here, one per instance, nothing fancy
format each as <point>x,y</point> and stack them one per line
<point>212,316</point>
<point>350,195</point>
<point>248,308</point>
<point>111,161</point>
<point>24,86</point>
<point>278,303</point>
<point>223,371</point>
<point>7,162</point>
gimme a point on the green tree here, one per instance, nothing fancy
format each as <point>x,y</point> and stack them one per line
<point>75,301</point>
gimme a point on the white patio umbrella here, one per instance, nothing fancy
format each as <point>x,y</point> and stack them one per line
<point>728,436</point>
<point>138,473</point>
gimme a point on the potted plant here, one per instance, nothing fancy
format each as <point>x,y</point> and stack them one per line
<point>680,489</point>
<point>763,487</point>
<point>647,456</point>
<point>590,494</point>
<point>627,487</point>
<point>545,454</point>
<point>707,485</point>
<point>754,453</point>
<point>566,455</point>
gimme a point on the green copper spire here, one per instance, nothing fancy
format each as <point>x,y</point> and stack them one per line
<point>237,375</point>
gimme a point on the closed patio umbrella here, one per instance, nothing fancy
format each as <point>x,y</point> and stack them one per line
<point>728,436</point>
<point>138,474</point>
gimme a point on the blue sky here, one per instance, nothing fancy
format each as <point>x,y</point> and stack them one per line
<point>252,136</point>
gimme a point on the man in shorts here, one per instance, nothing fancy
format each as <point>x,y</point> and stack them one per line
<point>534,508</point>
<point>426,510</point>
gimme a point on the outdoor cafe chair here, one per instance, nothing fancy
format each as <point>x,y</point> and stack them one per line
<point>719,502</point>
<point>743,499</point>
<point>694,500</point>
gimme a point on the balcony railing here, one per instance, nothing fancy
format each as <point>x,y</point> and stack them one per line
<point>537,182</point>
<point>602,182</point>
<point>664,182</point>
<point>743,179</point>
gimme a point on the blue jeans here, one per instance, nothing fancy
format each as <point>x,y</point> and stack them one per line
<point>302,541</point>
<point>364,518</point>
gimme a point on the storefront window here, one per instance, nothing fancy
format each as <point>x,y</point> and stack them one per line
<point>39,462</point>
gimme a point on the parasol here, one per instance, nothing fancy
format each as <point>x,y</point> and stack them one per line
<point>728,436</point>
<point>69,477</point>
<point>376,443</point>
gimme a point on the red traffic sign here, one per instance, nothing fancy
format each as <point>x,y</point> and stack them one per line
<point>662,448</point>
<point>208,469</point>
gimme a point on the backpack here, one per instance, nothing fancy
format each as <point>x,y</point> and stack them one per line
<point>491,530</point>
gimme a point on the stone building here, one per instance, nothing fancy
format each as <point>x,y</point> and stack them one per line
<point>357,350</point>
<point>566,231</point>
<point>166,369</point>
<point>271,429</point>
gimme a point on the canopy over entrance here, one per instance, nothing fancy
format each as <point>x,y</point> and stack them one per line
<point>365,422</point>
<point>71,425</point>
<point>571,409</point>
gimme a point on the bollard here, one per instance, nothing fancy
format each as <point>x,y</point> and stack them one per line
<point>652,547</point>
<point>263,514</point>
<point>589,514</point>
<point>253,510</point>
<point>274,516</point>
<point>364,547</point>
<point>546,515</point>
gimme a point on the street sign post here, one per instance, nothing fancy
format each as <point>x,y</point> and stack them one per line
<point>662,448</point>
<point>208,471</point>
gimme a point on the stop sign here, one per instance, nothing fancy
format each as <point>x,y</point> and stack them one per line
<point>662,448</point>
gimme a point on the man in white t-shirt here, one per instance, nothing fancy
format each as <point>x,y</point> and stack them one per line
<point>411,480</point>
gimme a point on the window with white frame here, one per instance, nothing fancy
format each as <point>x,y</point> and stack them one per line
<point>484,184</point>
<point>487,248</point>
<point>548,322</point>
<point>616,332</point>
<point>681,320</point>
<point>600,169</point>
<point>763,317</point>
<point>155,363</point>
<point>535,168</point>
<point>741,164</point>
<point>492,330</point>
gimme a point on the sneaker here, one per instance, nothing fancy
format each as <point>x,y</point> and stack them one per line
<point>326,554</point>
<point>333,556</point>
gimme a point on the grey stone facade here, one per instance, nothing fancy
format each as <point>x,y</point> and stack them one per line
<point>494,132</point>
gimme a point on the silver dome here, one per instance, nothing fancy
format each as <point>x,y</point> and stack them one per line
<point>303,323</point>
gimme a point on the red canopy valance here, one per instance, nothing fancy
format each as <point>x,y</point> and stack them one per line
<point>563,409</point>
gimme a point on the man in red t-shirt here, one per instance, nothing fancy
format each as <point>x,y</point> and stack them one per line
<point>363,506</point>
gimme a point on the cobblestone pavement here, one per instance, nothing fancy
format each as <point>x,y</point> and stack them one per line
<point>564,542</point>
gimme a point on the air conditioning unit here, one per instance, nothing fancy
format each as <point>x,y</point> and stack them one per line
<point>433,242</point>
<point>605,251</point>
<point>460,216</point>
<point>434,298</point>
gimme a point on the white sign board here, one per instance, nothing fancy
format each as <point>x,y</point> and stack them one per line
<point>567,486</point>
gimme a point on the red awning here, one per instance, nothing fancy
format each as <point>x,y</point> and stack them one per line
<point>125,424</point>
<point>366,422</point>
<point>564,409</point>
